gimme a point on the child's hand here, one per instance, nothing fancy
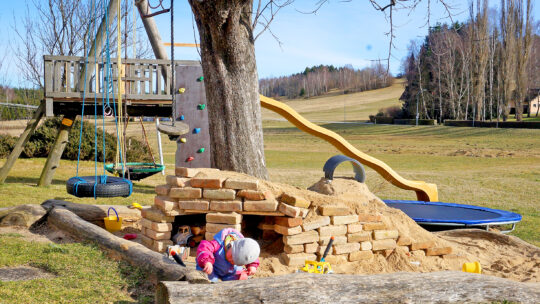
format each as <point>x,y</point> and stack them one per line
<point>251,270</point>
<point>208,268</point>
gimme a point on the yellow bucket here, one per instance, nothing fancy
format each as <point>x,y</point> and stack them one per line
<point>472,267</point>
<point>112,223</point>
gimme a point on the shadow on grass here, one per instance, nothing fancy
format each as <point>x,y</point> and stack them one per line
<point>31,180</point>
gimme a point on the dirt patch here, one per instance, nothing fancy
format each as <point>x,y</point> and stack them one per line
<point>23,273</point>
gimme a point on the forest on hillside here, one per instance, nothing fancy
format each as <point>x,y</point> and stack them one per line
<point>322,79</point>
<point>477,70</point>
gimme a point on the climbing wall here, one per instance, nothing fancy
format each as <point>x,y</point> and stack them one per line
<point>193,148</point>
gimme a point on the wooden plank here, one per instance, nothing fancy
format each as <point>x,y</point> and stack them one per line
<point>56,151</point>
<point>150,80</point>
<point>158,81</point>
<point>49,72</point>
<point>19,145</point>
<point>67,75</point>
<point>128,61</point>
<point>56,81</point>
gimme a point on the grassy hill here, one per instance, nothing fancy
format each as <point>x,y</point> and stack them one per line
<point>358,106</point>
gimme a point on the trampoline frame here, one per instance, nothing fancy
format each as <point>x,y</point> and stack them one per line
<point>514,217</point>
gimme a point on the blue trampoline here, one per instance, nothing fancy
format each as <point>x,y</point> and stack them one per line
<point>455,215</point>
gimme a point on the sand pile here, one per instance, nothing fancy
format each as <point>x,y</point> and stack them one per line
<point>499,255</point>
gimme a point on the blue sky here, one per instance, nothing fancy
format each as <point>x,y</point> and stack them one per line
<point>342,32</point>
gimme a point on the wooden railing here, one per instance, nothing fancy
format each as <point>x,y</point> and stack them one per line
<point>143,80</point>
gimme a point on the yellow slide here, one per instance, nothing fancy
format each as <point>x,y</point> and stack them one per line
<point>424,191</point>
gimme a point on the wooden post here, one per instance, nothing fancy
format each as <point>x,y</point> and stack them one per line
<point>17,150</point>
<point>56,150</point>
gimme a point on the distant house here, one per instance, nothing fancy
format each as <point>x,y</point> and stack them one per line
<point>534,105</point>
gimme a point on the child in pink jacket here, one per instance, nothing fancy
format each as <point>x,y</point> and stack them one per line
<point>224,256</point>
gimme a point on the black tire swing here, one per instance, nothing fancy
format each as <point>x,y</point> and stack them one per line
<point>99,185</point>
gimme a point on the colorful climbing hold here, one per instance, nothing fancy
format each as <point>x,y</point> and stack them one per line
<point>201,150</point>
<point>197,130</point>
<point>183,140</point>
<point>200,79</point>
<point>181,90</point>
<point>201,106</point>
<point>190,158</point>
<point>182,117</point>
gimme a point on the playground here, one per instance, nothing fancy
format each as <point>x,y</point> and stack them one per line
<point>458,204</point>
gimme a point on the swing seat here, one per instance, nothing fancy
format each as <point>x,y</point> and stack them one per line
<point>106,186</point>
<point>137,171</point>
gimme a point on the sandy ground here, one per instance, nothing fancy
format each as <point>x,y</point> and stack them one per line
<point>500,255</point>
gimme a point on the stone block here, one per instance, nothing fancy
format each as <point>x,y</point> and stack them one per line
<point>177,182</point>
<point>404,241</point>
<point>422,245</point>
<point>287,231</point>
<point>374,226</point>
<point>209,236</point>
<point>334,210</point>
<point>146,241</point>
<point>193,205</point>
<point>450,256</point>
<point>288,221</point>
<point>387,252</point>
<point>185,193</point>
<point>354,228</point>
<point>403,249</point>
<point>385,234</point>
<point>360,255</point>
<point>345,248</point>
<point>366,246</point>
<point>418,253</point>
<point>302,238</point>
<point>241,184</point>
<point>383,244</point>
<point>340,239</point>
<point>155,235</point>
<point>265,226</point>
<point>304,213</point>
<point>165,203</point>
<point>224,218</point>
<point>332,230</point>
<point>161,245</point>
<point>289,210</point>
<point>234,205</point>
<point>219,194</point>
<point>254,195</point>
<point>296,259</point>
<point>210,183</point>
<point>361,236</point>
<point>215,228</point>
<point>159,227</point>
<point>293,248</point>
<point>163,190</point>
<point>174,212</point>
<point>185,172</point>
<point>366,218</point>
<point>155,215</point>
<point>316,223</point>
<point>311,247</point>
<point>336,259</point>
<point>344,219</point>
<point>295,200</point>
<point>438,251</point>
<point>263,206</point>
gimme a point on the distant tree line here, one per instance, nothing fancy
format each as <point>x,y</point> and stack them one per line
<point>22,96</point>
<point>322,79</point>
<point>478,69</point>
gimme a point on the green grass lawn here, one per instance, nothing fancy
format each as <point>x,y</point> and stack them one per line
<point>498,168</point>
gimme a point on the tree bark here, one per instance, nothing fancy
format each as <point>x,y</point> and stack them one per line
<point>22,215</point>
<point>231,83</point>
<point>93,213</point>
<point>400,287</point>
<point>156,265</point>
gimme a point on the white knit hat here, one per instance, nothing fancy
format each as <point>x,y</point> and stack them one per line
<point>245,251</point>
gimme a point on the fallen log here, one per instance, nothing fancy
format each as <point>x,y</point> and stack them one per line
<point>93,213</point>
<point>156,265</point>
<point>401,287</point>
<point>22,215</point>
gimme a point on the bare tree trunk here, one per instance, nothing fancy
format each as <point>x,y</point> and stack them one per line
<point>231,81</point>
